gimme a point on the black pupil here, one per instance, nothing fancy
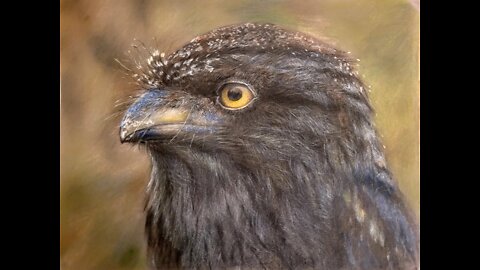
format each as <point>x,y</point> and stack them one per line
<point>234,94</point>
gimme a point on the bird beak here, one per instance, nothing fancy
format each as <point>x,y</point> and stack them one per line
<point>153,116</point>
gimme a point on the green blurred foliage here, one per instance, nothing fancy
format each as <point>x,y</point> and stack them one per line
<point>103,181</point>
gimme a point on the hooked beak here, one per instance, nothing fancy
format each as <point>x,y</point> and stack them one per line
<point>154,117</point>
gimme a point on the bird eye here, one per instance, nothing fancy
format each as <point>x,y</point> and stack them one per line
<point>234,96</point>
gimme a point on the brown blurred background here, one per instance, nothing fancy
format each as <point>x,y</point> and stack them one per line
<point>102,181</point>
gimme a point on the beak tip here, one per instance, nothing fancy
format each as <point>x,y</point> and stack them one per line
<point>123,135</point>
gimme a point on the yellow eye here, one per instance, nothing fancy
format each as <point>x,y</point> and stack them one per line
<point>234,96</point>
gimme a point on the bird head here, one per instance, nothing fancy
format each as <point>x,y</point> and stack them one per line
<point>252,94</point>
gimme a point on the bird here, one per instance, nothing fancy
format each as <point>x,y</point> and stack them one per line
<point>265,155</point>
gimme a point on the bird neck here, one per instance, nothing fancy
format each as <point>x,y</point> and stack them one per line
<point>216,212</point>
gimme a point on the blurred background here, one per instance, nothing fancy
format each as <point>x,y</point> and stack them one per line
<point>103,181</point>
